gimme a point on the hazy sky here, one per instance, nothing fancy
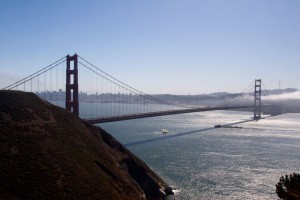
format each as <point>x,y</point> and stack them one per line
<point>158,46</point>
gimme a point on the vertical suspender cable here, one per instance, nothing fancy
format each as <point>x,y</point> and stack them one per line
<point>44,85</point>
<point>38,84</point>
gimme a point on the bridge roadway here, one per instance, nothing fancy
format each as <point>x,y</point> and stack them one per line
<point>161,113</point>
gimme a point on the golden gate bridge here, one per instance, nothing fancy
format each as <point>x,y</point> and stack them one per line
<point>81,87</point>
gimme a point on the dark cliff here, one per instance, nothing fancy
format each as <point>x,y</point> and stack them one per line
<point>48,153</point>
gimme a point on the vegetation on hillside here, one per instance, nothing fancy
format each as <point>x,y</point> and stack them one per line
<point>47,152</point>
<point>288,187</point>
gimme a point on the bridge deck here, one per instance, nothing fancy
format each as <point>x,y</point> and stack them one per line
<point>161,113</point>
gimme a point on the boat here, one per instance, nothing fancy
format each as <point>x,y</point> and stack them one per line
<point>226,126</point>
<point>165,131</point>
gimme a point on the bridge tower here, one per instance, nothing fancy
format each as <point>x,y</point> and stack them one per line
<point>72,103</point>
<point>257,99</point>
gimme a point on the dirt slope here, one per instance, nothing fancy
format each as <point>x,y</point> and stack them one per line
<point>48,153</point>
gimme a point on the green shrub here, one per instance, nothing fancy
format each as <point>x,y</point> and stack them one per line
<point>288,187</point>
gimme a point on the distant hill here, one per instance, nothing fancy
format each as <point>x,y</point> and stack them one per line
<point>281,91</point>
<point>48,153</point>
<point>289,98</point>
<point>218,96</point>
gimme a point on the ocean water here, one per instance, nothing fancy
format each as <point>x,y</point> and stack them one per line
<point>202,162</point>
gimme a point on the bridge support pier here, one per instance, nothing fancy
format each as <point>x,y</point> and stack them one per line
<point>257,100</point>
<point>72,103</point>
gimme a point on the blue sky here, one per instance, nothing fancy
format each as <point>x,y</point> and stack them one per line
<point>158,46</point>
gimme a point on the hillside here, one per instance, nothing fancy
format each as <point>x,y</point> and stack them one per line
<point>48,153</point>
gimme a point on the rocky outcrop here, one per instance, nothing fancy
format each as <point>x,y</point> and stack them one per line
<point>48,153</point>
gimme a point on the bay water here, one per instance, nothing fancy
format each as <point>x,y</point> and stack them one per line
<point>203,162</point>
